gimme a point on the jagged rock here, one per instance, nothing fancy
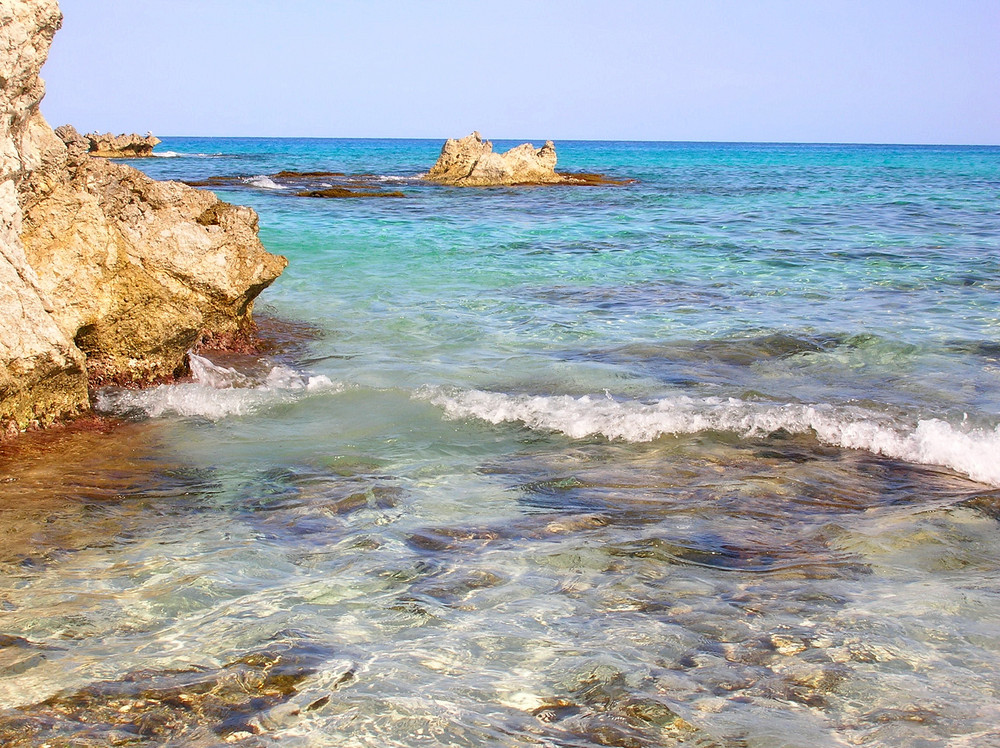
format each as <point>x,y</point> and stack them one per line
<point>107,145</point>
<point>138,269</point>
<point>471,162</point>
<point>42,375</point>
<point>98,259</point>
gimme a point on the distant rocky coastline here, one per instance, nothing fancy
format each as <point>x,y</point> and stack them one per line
<point>106,275</point>
<point>471,162</point>
<point>106,145</point>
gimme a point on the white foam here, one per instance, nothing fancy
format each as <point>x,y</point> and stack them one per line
<point>972,451</point>
<point>216,392</point>
<point>263,182</point>
<point>175,154</point>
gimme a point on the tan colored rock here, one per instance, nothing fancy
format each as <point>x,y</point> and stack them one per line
<point>471,162</point>
<point>138,270</point>
<point>98,259</point>
<point>42,375</point>
<point>107,145</point>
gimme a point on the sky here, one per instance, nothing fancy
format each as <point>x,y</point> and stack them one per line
<point>846,71</point>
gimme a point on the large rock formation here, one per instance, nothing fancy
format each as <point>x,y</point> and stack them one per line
<point>138,269</point>
<point>471,162</point>
<point>101,268</point>
<point>41,371</point>
<point>107,145</point>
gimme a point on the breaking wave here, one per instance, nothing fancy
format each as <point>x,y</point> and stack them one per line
<point>175,154</point>
<point>216,392</point>
<point>974,452</point>
<point>263,182</point>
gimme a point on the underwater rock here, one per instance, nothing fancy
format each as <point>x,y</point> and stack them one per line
<point>195,706</point>
<point>107,145</point>
<point>103,271</point>
<point>345,192</point>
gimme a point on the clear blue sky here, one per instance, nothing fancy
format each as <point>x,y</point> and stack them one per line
<point>875,71</point>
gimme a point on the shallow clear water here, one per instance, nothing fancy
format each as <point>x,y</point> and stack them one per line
<point>711,458</point>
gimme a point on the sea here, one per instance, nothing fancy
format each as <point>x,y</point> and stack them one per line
<point>707,456</point>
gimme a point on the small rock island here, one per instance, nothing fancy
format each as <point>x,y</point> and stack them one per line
<point>471,162</point>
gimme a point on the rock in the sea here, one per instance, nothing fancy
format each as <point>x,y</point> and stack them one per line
<point>138,269</point>
<point>107,145</point>
<point>471,162</point>
<point>102,269</point>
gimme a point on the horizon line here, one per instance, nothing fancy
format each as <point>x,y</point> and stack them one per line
<point>602,140</point>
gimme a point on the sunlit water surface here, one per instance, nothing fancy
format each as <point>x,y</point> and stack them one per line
<point>708,459</point>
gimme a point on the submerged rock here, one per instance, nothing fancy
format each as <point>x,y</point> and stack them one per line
<point>107,145</point>
<point>102,269</point>
<point>346,192</point>
<point>470,161</point>
<point>195,706</point>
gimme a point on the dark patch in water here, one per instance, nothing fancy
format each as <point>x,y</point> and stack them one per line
<point>796,559</point>
<point>603,709</point>
<point>312,184</point>
<point>663,294</point>
<point>451,586</point>
<point>728,351</point>
<point>285,337</point>
<point>986,503</point>
<point>18,655</point>
<point>988,350</point>
<point>453,538</point>
<point>68,490</point>
<point>568,494</point>
<point>148,707</point>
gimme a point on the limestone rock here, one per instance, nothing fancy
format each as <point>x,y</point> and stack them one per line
<point>471,162</point>
<point>42,373</point>
<point>103,271</point>
<point>107,145</point>
<point>138,269</point>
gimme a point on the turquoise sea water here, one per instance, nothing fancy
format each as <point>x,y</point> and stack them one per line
<point>713,456</point>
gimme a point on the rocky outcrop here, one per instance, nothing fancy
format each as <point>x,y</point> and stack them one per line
<point>138,269</point>
<point>103,271</point>
<point>471,162</point>
<point>107,145</point>
<point>42,373</point>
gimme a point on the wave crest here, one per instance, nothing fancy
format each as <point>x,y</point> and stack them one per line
<point>216,392</point>
<point>263,182</point>
<point>973,452</point>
